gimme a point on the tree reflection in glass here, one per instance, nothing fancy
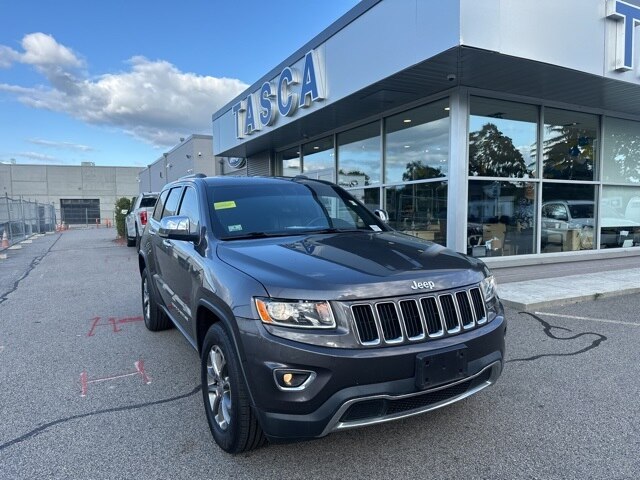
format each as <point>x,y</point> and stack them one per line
<point>570,145</point>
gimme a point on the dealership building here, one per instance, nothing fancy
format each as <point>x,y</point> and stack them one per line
<point>504,129</point>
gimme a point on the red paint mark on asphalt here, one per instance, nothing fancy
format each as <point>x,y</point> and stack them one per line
<point>113,322</point>
<point>139,370</point>
<point>83,384</point>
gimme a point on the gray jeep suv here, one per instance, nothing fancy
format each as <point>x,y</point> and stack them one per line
<point>309,313</point>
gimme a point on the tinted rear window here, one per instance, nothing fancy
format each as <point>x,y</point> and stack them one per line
<point>148,201</point>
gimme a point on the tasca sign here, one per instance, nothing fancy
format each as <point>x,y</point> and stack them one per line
<point>628,18</point>
<point>282,96</point>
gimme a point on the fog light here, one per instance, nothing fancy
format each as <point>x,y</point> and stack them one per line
<point>293,379</point>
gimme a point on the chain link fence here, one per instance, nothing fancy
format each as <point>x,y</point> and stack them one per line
<point>19,219</point>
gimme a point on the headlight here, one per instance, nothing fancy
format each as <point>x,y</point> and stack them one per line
<point>489,288</point>
<point>295,313</point>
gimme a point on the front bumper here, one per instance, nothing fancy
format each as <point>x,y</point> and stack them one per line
<point>357,387</point>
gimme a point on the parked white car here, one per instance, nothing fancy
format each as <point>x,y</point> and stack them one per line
<point>135,221</point>
<point>562,217</point>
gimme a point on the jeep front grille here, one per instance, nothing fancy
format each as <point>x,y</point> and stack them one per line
<point>413,319</point>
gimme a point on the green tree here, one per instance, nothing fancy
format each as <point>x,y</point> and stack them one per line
<point>122,204</point>
<point>568,153</point>
<point>622,153</point>
<point>416,170</point>
<point>492,154</point>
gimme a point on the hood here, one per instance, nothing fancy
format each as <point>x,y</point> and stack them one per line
<point>350,265</point>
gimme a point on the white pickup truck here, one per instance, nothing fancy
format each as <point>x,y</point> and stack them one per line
<point>140,211</point>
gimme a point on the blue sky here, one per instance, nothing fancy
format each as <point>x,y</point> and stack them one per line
<point>118,82</point>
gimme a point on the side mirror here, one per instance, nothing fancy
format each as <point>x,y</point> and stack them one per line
<point>177,228</point>
<point>382,215</point>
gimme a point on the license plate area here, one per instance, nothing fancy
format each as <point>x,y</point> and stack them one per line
<point>441,366</point>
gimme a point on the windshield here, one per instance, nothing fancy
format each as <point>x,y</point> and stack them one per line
<point>581,210</point>
<point>286,208</point>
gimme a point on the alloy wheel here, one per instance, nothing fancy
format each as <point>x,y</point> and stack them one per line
<point>146,304</point>
<point>219,387</point>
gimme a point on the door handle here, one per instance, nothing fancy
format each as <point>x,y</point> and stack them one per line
<point>167,243</point>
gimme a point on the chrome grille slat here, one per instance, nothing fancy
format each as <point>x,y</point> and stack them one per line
<point>418,318</point>
<point>478,305</point>
<point>412,322</point>
<point>389,321</point>
<point>449,312</point>
<point>464,307</point>
<point>365,324</point>
<point>432,316</point>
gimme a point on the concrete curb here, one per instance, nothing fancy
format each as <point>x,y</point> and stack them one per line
<point>566,300</point>
<point>562,290</point>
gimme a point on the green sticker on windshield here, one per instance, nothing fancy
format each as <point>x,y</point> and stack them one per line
<point>223,205</point>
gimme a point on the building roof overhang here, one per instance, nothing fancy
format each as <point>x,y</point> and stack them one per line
<point>471,67</point>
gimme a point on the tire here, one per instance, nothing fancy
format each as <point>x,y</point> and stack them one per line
<point>154,318</point>
<point>233,423</point>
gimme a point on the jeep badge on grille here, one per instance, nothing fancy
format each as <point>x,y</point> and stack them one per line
<point>422,285</point>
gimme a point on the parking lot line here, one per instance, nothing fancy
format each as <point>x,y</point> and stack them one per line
<point>574,317</point>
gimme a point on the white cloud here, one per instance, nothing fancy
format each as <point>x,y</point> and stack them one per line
<point>60,145</point>
<point>7,56</point>
<point>41,157</point>
<point>42,50</point>
<point>153,100</point>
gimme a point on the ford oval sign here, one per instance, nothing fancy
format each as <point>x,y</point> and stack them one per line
<point>236,162</point>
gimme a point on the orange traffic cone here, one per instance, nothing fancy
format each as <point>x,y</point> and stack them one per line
<point>5,240</point>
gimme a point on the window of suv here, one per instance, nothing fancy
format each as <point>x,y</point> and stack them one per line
<point>286,208</point>
<point>157,212</point>
<point>189,208</point>
<point>171,204</point>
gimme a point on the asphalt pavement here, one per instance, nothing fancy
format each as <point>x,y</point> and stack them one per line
<point>88,392</point>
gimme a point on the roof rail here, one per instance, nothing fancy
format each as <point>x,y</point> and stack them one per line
<point>194,175</point>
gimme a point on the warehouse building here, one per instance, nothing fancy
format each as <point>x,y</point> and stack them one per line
<point>506,129</point>
<point>80,194</point>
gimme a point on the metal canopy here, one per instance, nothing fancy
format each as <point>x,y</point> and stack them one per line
<point>471,67</point>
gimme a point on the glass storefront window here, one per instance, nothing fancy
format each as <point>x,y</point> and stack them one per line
<point>318,158</point>
<point>417,143</point>
<point>502,139</point>
<point>501,218</point>
<point>568,217</point>
<point>419,209</point>
<point>621,151</point>
<point>620,217</point>
<point>290,160</point>
<point>369,196</point>
<point>359,156</point>
<point>570,145</point>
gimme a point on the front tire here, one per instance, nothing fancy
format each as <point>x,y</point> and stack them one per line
<point>233,424</point>
<point>154,318</point>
